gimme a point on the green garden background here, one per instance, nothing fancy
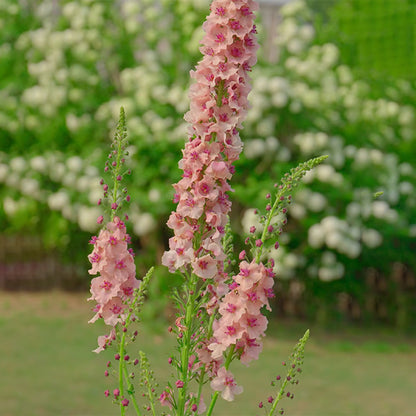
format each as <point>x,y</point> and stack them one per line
<point>335,77</point>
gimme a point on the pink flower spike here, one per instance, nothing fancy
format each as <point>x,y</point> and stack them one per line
<point>179,384</point>
<point>242,255</point>
<point>100,219</point>
<point>114,206</point>
<point>125,402</point>
<point>259,243</point>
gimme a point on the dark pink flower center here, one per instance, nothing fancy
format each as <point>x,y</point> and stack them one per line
<point>106,285</point>
<point>231,308</point>
<point>95,258</point>
<point>249,41</point>
<point>252,322</point>
<point>251,342</point>
<point>204,189</point>
<point>245,272</point>
<point>235,24</point>
<point>236,52</point>
<point>220,11</point>
<point>252,297</point>
<point>219,38</point>
<point>269,293</point>
<point>222,67</point>
<point>230,330</point>
<point>120,265</point>
<point>128,291</point>
<point>116,309</point>
<point>223,117</point>
<point>229,381</point>
<point>203,264</point>
<point>245,10</point>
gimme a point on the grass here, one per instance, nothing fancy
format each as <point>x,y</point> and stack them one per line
<point>47,367</point>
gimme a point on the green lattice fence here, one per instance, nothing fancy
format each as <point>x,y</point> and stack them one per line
<point>377,36</point>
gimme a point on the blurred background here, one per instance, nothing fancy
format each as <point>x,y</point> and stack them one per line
<point>335,77</point>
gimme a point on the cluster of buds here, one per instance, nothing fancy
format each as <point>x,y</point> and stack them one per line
<point>115,165</point>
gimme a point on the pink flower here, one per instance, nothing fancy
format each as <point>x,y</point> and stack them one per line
<point>165,399</point>
<point>205,267</point>
<point>249,274</point>
<point>225,383</point>
<point>114,262</point>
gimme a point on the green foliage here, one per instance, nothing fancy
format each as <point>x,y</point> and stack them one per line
<point>76,62</point>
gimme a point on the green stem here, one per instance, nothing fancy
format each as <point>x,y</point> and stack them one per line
<point>226,365</point>
<point>133,398</point>
<point>115,174</point>
<point>266,225</point>
<point>120,373</point>
<point>150,393</point>
<point>201,379</point>
<point>186,343</point>
<point>287,184</point>
<point>297,355</point>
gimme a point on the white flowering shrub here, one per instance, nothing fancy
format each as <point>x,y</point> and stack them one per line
<point>310,103</point>
<point>76,62</point>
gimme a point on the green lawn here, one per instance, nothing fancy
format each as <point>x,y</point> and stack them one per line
<point>47,367</point>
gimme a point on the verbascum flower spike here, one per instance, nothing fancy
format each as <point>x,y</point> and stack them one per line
<point>218,105</point>
<point>241,324</point>
<point>111,258</point>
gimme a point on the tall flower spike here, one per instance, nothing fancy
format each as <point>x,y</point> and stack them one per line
<point>111,258</point>
<point>218,105</point>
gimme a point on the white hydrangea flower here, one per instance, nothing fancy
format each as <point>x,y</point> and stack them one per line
<point>30,187</point>
<point>334,272</point>
<point>406,188</point>
<point>83,184</point>
<point>352,249</point>
<point>316,236</point>
<point>75,164</point>
<point>4,169</point>
<point>380,209</point>
<point>316,202</point>
<point>353,210</point>
<point>69,180</point>
<point>87,218</point>
<point>144,223</point>
<point>18,164</point>
<point>10,206</point>
<point>154,195</point>
<point>334,239</point>
<point>39,164</point>
<point>251,219</point>
<point>279,99</point>
<point>254,148</point>
<point>297,211</point>
<point>58,200</point>
<point>371,238</point>
<point>272,144</point>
